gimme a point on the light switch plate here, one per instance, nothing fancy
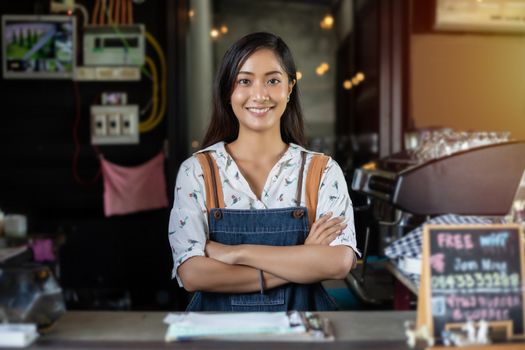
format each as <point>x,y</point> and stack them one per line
<point>112,125</point>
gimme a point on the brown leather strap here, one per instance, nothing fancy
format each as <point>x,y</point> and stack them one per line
<point>212,181</point>
<point>215,196</point>
<point>299,193</point>
<point>313,180</point>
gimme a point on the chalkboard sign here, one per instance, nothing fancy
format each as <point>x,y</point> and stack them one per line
<point>472,273</point>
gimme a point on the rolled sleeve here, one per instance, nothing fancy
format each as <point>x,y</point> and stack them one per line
<point>188,224</point>
<point>333,197</point>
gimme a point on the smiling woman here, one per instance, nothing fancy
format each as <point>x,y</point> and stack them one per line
<point>246,232</point>
<point>261,93</point>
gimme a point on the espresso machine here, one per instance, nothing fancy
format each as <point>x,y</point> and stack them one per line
<point>403,191</point>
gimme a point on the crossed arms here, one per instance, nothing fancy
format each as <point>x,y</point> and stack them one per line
<point>235,269</point>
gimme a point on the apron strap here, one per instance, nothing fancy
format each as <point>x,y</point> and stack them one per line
<point>213,186</point>
<point>313,179</point>
<point>212,181</point>
<point>299,193</point>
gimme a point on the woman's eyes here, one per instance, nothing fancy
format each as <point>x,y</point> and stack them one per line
<point>272,81</point>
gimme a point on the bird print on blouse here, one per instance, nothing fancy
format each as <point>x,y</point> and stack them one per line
<point>289,181</point>
<point>186,169</point>
<point>283,166</point>
<point>235,199</point>
<point>229,162</point>
<point>183,222</point>
<point>195,195</point>
<point>332,198</point>
<point>192,243</point>
<point>221,154</point>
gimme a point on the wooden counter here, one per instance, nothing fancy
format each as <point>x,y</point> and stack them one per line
<point>145,330</point>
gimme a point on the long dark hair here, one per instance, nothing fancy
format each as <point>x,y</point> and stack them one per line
<point>224,126</point>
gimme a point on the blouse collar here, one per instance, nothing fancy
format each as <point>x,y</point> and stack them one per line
<point>293,151</point>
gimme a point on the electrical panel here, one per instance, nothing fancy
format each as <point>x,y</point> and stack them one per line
<point>107,73</point>
<point>114,124</point>
<point>114,46</point>
<point>59,6</point>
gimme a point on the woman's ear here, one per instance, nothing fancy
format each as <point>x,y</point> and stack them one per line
<point>291,85</point>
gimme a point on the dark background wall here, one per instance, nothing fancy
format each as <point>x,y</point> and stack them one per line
<point>115,262</point>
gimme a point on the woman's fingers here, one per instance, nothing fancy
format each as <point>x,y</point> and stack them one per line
<point>325,229</point>
<point>324,218</point>
<point>315,231</point>
<point>330,224</point>
<point>333,233</point>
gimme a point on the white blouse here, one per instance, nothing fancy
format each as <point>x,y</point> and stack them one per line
<point>188,225</point>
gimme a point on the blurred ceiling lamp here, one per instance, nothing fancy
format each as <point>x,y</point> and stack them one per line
<point>327,22</point>
<point>224,29</point>
<point>214,33</point>
<point>347,84</point>
<point>299,75</point>
<point>355,81</point>
<point>360,76</point>
<point>322,68</point>
<point>191,13</point>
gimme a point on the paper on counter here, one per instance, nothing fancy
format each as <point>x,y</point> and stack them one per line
<point>17,335</point>
<point>187,325</point>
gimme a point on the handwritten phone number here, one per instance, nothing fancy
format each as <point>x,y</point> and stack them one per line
<point>476,280</point>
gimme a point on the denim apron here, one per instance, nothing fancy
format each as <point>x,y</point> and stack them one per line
<point>276,227</point>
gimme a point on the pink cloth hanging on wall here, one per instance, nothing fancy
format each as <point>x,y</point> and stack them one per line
<point>132,189</point>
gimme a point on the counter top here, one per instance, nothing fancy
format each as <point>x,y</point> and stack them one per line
<point>145,330</point>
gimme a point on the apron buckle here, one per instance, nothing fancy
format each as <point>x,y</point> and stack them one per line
<point>217,215</point>
<point>298,213</point>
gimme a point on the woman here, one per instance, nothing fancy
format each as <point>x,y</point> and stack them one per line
<point>256,251</point>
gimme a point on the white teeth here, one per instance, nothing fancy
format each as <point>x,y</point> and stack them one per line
<point>258,110</point>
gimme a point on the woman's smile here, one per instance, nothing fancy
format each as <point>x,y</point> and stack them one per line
<point>259,111</point>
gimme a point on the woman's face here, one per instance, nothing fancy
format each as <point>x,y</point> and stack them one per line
<point>260,93</point>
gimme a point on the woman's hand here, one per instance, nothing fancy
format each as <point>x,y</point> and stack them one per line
<point>221,252</point>
<point>325,230</point>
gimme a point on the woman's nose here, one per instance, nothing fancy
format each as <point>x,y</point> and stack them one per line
<point>260,92</point>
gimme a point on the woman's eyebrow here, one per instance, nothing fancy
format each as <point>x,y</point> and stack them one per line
<point>269,73</point>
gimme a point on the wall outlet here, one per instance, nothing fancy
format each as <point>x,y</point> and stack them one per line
<point>114,124</point>
<point>129,124</point>
<point>114,128</point>
<point>99,125</point>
